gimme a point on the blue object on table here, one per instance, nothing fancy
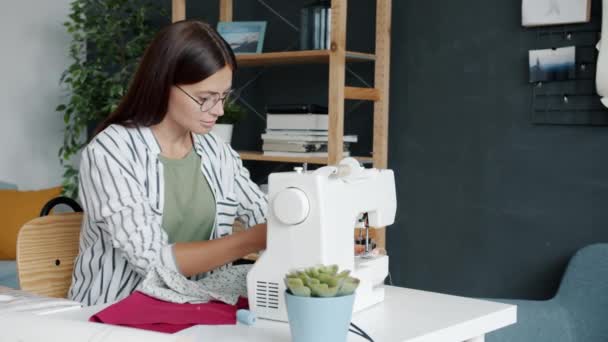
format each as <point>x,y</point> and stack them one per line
<point>314,319</point>
<point>578,312</point>
<point>8,274</point>
<point>246,317</point>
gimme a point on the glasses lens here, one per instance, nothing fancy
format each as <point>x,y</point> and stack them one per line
<point>209,103</point>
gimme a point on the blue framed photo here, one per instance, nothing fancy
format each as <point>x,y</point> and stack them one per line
<point>243,36</point>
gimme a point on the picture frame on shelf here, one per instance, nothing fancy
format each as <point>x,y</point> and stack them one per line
<point>554,12</point>
<point>244,37</point>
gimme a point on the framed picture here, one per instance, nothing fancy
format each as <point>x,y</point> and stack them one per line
<point>555,12</point>
<point>552,64</point>
<point>243,36</point>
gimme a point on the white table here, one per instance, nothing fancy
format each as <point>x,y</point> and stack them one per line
<point>406,315</point>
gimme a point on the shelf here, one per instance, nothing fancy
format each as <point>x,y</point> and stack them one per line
<point>356,93</point>
<point>298,57</point>
<point>259,156</point>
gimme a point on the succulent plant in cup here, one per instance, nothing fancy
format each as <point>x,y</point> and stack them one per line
<point>321,281</point>
<point>319,303</point>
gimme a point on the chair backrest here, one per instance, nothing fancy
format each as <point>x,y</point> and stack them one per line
<point>584,292</point>
<point>46,250</point>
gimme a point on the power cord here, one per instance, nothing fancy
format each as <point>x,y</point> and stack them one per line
<point>360,332</point>
<point>390,279</point>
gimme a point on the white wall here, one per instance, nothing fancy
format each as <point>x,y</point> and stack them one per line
<point>33,54</point>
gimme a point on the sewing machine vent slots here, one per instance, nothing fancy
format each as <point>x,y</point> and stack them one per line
<point>267,295</point>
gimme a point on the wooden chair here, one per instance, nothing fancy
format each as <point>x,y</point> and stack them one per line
<point>47,247</point>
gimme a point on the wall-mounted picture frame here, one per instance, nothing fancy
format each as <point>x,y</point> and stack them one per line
<point>549,65</point>
<point>554,12</point>
<point>244,37</point>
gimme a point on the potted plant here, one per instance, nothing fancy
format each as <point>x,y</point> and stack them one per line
<point>233,113</point>
<point>319,303</point>
<point>108,40</point>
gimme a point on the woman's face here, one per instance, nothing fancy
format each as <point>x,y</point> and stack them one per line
<point>186,112</point>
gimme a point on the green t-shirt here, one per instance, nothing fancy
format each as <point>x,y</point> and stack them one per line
<point>189,211</point>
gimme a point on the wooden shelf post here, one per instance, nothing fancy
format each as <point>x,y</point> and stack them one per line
<point>337,70</point>
<point>381,83</point>
<point>178,10</point>
<point>226,7</point>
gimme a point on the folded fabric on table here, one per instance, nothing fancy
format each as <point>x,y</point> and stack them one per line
<point>226,284</point>
<point>144,312</point>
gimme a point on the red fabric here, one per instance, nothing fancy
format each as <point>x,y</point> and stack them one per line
<point>145,312</point>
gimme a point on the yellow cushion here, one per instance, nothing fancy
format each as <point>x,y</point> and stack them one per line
<point>17,208</point>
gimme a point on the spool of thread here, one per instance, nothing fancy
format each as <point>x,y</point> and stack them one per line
<point>245,317</point>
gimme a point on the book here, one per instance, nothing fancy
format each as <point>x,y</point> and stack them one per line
<point>12,300</point>
<point>304,29</point>
<point>318,132</point>
<point>304,138</point>
<point>301,154</point>
<point>293,147</point>
<point>316,10</point>
<point>322,28</point>
<point>297,121</point>
<point>296,108</point>
<point>297,147</point>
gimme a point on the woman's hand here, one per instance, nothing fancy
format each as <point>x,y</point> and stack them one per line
<point>258,236</point>
<point>202,256</point>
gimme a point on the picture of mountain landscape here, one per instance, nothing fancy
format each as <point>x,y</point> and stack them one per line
<point>243,36</point>
<point>552,64</point>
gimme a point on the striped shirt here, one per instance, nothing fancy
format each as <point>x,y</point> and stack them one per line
<point>122,192</point>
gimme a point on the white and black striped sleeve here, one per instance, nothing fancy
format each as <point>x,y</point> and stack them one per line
<point>133,224</point>
<point>253,203</point>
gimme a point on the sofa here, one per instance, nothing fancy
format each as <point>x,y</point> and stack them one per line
<point>8,268</point>
<point>17,208</point>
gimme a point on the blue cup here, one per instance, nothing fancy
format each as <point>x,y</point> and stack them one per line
<point>313,319</point>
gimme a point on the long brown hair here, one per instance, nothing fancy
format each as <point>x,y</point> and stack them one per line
<point>185,52</point>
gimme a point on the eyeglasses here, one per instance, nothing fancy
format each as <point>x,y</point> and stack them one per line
<point>209,101</point>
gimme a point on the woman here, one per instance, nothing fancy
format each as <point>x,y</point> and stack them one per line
<point>158,188</point>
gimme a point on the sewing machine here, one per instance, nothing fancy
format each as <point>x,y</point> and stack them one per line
<point>311,219</point>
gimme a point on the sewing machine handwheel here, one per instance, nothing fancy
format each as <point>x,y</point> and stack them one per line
<point>291,206</point>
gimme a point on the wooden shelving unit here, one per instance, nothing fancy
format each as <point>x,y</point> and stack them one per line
<point>336,58</point>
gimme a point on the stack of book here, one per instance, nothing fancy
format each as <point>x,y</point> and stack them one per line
<point>299,131</point>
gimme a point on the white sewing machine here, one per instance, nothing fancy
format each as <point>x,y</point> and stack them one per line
<point>311,221</point>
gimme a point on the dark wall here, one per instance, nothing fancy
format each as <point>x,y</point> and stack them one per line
<point>488,204</point>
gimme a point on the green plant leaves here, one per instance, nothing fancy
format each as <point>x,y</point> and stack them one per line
<point>233,113</point>
<point>108,39</point>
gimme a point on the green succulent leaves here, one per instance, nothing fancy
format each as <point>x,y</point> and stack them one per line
<point>321,281</point>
